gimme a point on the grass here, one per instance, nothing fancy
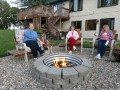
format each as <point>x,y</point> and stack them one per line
<point>118,44</point>
<point>6,41</point>
<point>87,44</point>
<point>55,42</point>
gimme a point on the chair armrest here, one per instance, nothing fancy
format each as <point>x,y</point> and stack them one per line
<point>111,47</point>
<point>112,44</point>
<point>27,49</point>
<point>94,40</point>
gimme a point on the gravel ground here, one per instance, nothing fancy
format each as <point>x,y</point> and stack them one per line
<point>15,74</point>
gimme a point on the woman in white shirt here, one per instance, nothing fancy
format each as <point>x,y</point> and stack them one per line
<point>72,37</point>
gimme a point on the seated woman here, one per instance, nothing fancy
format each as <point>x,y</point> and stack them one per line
<point>104,38</point>
<point>31,38</point>
<point>72,37</point>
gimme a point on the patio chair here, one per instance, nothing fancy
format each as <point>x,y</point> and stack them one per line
<point>20,45</point>
<point>110,46</point>
<point>79,41</point>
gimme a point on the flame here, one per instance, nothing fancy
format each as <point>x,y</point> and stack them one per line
<point>59,62</point>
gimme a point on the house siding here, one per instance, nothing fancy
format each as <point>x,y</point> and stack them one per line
<point>91,11</point>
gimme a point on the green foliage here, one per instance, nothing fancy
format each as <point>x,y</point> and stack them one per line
<point>13,16</point>
<point>7,15</point>
<point>4,14</point>
<point>6,41</point>
<point>32,3</point>
<point>39,31</point>
<point>38,2</point>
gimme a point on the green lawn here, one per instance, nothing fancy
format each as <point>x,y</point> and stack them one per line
<point>6,41</point>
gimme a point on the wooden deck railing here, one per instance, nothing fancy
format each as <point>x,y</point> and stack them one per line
<point>29,13</point>
<point>60,13</point>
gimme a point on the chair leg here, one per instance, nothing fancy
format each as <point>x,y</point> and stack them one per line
<point>81,45</point>
<point>93,50</point>
<point>51,51</point>
<point>110,54</point>
<point>66,45</point>
<point>26,57</point>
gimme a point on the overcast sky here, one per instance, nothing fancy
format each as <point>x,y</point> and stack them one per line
<point>11,4</point>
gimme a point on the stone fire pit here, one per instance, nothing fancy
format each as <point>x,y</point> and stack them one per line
<point>63,77</point>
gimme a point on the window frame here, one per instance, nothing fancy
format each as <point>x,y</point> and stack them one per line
<point>79,7</point>
<point>75,24</point>
<point>94,22</point>
<point>111,23</point>
<point>100,5</point>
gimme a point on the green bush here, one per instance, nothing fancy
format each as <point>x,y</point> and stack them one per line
<point>39,31</point>
<point>6,41</point>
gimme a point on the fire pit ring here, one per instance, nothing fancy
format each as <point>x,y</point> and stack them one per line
<point>61,78</point>
<point>69,58</point>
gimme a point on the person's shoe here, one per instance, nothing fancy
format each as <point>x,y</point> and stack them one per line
<point>98,56</point>
<point>35,59</point>
<point>43,54</point>
<point>74,48</point>
<point>70,52</point>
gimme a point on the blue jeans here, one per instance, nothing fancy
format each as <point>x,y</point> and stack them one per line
<point>101,47</point>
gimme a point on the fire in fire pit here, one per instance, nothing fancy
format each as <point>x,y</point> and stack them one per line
<point>61,62</point>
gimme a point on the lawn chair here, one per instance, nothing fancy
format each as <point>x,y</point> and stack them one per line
<point>79,41</point>
<point>110,46</point>
<point>20,45</point>
<point>21,48</point>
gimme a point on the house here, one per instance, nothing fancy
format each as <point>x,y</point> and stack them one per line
<point>88,16</point>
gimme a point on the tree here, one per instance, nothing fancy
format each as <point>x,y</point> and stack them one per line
<point>13,16</point>
<point>7,15</point>
<point>4,14</point>
<point>32,3</point>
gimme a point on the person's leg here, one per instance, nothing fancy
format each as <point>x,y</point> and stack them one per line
<point>98,56</point>
<point>41,51</point>
<point>102,52</point>
<point>72,43</point>
<point>33,48</point>
<point>99,46</point>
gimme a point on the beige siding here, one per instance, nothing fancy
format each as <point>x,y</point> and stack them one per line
<point>65,4</point>
<point>90,11</point>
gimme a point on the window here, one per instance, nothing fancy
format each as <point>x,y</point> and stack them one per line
<point>90,24</point>
<point>107,3</point>
<point>108,21</point>
<point>76,5</point>
<point>77,24</point>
